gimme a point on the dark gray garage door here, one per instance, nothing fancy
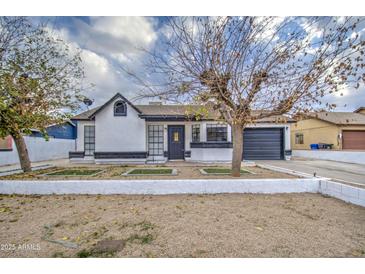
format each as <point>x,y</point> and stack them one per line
<point>263,144</point>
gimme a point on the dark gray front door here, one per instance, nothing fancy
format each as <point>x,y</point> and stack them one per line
<point>263,144</point>
<point>176,145</point>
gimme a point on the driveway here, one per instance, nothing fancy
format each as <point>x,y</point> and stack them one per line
<point>338,171</point>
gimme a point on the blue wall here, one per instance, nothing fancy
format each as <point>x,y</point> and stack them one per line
<point>61,131</point>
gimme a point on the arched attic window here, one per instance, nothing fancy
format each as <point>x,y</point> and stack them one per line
<point>120,108</point>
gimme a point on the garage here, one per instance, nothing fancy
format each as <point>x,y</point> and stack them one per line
<point>263,144</point>
<point>353,139</point>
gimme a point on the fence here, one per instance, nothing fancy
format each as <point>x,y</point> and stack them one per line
<point>39,150</point>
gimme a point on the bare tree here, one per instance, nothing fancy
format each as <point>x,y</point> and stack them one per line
<point>40,77</point>
<point>249,68</point>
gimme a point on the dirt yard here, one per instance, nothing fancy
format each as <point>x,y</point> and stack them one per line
<point>185,171</point>
<point>224,225</point>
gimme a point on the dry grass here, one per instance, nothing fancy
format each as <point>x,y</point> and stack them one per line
<point>224,225</point>
<point>115,172</point>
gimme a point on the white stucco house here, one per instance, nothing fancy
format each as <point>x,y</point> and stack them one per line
<point>120,132</point>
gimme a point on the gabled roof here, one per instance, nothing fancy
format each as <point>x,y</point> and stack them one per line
<point>90,114</point>
<point>359,109</point>
<point>51,125</point>
<point>172,111</point>
<point>86,114</point>
<point>177,111</point>
<point>67,121</point>
<point>340,118</point>
<point>118,95</point>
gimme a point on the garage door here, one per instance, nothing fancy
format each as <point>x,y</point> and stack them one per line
<point>263,144</point>
<point>352,139</point>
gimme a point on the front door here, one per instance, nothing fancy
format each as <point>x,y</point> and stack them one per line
<point>176,145</point>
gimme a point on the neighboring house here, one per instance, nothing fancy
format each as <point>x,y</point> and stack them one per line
<point>360,110</point>
<point>119,131</point>
<point>6,144</point>
<point>61,141</point>
<point>343,130</point>
<point>65,130</point>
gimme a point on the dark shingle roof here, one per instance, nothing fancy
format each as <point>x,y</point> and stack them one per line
<point>159,110</point>
<point>179,110</point>
<point>359,109</point>
<point>86,114</point>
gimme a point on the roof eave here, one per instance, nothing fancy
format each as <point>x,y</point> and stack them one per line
<point>162,117</point>
<point>83,119</point>
<point>338,124</point>
<point>351,125</point>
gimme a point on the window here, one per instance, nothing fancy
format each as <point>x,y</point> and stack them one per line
<point>216,133</point>
<point>155,140</point>
<point>299,139</point>
<point>120,109</point>
<point>195,129</point>
<point>176,136</point>
<point>89,140</point>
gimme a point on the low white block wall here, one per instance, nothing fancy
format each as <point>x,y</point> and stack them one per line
<point>343,192</point>
<point>350,194</point>
<point>159,186</point>
<point>355,157</point>
<point>120,161</point>
<point>39,150</point>
<point>211,154</point>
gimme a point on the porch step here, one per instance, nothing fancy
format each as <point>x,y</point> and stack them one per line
<point>150,162</point>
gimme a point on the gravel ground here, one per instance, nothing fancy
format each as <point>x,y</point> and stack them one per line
<point>224,225</point>
<point>115,172</point>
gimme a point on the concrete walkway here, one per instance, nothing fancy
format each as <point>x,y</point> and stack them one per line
<point>338,171</point>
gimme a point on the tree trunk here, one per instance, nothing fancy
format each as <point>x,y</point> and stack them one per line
<point>237,131</point>
<point>22,152</point>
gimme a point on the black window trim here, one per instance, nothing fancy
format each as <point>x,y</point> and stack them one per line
<point>155,132</point>
<point>216,126</point>
<point>89,140</point>
<point>297,138</point>
<point>120,113</point>
<point>196,133</point>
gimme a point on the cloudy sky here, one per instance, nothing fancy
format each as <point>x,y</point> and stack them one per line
<point>109,43</point>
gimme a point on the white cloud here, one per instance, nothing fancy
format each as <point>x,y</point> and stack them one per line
<point>119,38</point>
<point>108,42</point>
<point>271,27</point>
<point>105,44</point>
<point>96,65</point>
<point>350,99</point>
<point>137,30</point>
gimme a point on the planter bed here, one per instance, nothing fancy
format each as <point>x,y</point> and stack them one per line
<point>221,171</point>
<point>75,172</point>
<point>151,172</point>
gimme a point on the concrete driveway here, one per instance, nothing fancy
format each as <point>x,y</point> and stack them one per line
<point>342,172</point>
